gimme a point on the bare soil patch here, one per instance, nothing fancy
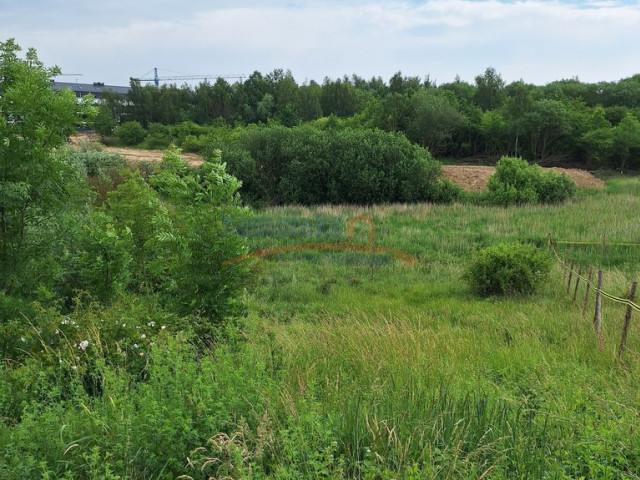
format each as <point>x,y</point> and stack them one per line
<point>134,155</point>
<point>475,178</point>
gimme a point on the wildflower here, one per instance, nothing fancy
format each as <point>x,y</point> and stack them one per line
<point>74,367</point>
<point>163,327</point>
<point>57,332</point>
<point>64,321</point>
<point>151,324</point>
<point>135,345</point>
<point>83,345</point>
<point>142,354</point>
<point>143,336</point>
<point>124,325</point>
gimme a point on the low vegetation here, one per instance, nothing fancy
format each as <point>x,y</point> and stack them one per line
<point>508,269</point>
<point>130,347</point>
<point>515,182</point>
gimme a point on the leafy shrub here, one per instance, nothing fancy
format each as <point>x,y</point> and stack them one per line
<point>130,133</point>
<point>507,269</point>
<point>97,163</point>
<point>515,182</point>
<point>307,165</point>
<point>158,136</point>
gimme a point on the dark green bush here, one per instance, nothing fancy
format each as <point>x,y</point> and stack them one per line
<point>130,133</point>
<point>515,182</point>
<point>507,269</point>
<point>158,136</point>
<point>307,165</point>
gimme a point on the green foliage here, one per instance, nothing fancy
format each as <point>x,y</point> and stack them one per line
<point>515,182</point>
<point>37,183</point>
<point>136,208</point>
<point>130,133</point>
<point>507,269</point>
<point>104,123</point>
<point>433,120</point>
<point>103,258</point>
<point>310,166</point>
<point>195,248</point>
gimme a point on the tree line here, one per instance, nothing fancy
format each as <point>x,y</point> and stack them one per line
<point>566,122</point>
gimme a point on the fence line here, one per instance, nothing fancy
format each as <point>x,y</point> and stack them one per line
<point>608,244</point>
<point>589,282</point>
<point>599,292</point>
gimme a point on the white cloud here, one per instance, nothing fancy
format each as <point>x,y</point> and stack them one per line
<point>536,40</point>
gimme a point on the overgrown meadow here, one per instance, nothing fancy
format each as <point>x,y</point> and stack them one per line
<point>145,333</point>
<point>354,371</point>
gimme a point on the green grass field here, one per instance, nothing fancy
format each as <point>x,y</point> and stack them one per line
<point>412,375</point>
<point>342,371</point>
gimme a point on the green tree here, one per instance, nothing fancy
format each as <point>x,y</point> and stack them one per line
<point>389,113</point>
<point>36,185</point>
<point>339,97</point>
<point>626,143</point>
<point>433,120</point>
<point>310,96</point>
<point>489,90</point>
<point>547,122</point>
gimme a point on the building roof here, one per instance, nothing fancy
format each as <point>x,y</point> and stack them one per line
<point>95,88</point>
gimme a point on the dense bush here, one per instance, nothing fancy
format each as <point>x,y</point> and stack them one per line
<point>131,133</point>
<point>309,166</point>
<point>507,269</point>
<point>515,182</point>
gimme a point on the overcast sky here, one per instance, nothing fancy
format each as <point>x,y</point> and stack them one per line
<point>538,41</point>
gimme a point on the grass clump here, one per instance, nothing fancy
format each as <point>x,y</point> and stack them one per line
<point>507,269</point>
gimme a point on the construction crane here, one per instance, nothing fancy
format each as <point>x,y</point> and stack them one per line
<point>156,78</point>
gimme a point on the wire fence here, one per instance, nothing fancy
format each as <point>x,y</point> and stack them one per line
<point>596,285</point>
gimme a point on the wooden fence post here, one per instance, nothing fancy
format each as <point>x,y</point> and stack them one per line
<point>570,275</point>
<point>627,320</point>
<point>597,319</point>
<point>575,292</point>
<point>586,294</point>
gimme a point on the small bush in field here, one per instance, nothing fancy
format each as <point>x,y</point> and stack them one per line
<point>130,133</point>
<point>507,269</point>
<point>515,182</point>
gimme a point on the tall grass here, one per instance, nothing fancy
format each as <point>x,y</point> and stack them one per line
<point>370,373</point>
<point>412,374</point>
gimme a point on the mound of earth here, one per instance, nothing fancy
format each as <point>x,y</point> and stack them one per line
<point>475,178</point>
<point>133,154</point>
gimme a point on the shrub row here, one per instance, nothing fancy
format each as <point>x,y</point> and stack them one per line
<point>305,165</point>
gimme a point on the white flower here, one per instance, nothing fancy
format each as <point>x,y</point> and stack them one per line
<point>163,327</point>
<point>135,345</point>
<point>83,345</point>
<point>151,324</point>
<point>124,325</point>
<point>143,336</point>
